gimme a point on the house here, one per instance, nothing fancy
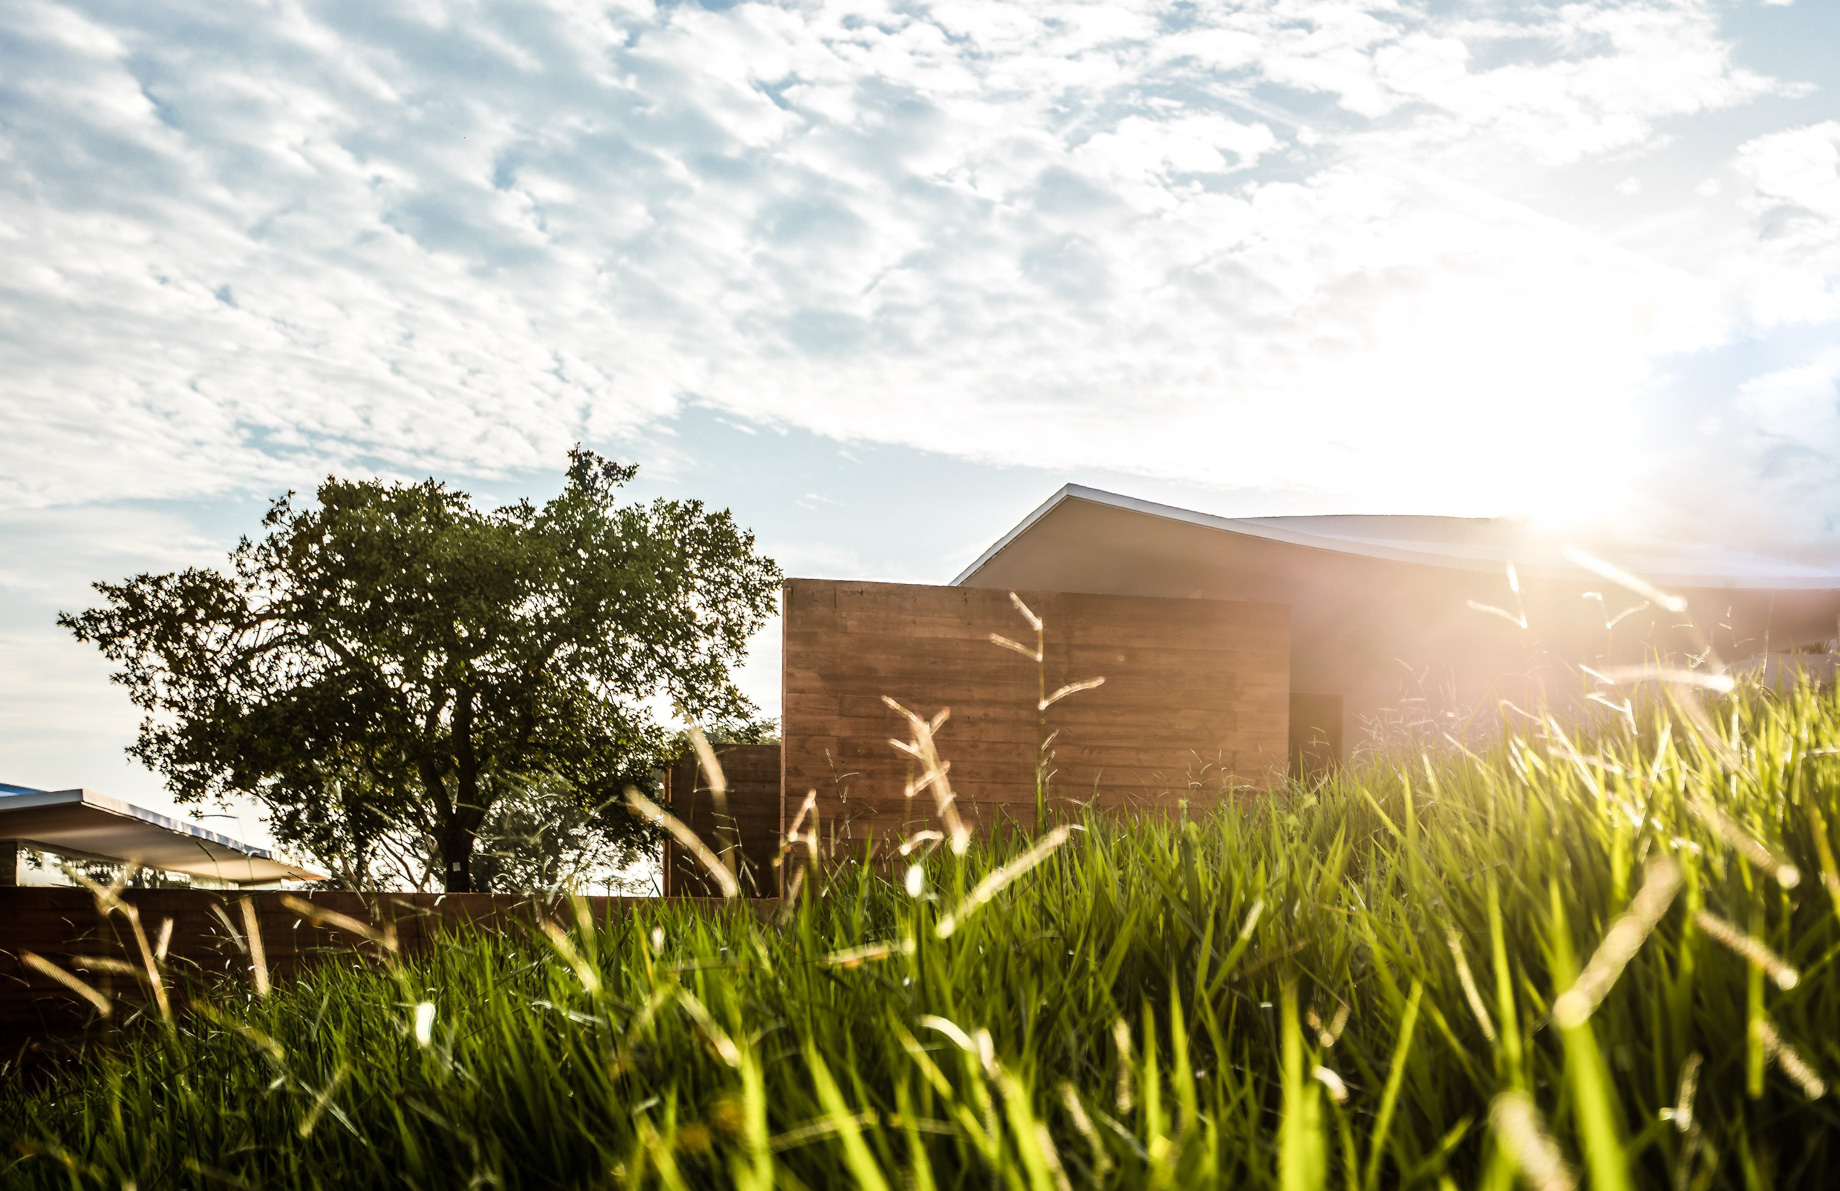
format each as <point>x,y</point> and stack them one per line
<point>41,828</point>
<point>1390,610</point>
<point>1233,652</point>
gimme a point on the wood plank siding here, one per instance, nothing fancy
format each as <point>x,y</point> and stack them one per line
<point>1195,702</point>
<point>750,825</point>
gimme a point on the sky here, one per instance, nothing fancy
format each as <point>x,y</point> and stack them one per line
<point>880,277</point>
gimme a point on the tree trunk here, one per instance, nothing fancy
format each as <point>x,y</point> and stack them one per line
<point>457,858</point>
<point>460,834</point>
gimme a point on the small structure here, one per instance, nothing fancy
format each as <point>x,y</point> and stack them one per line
<point>1394,614</point>
<point>82,825</point>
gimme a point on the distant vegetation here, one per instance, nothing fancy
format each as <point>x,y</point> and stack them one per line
<point>414,687</point>
<point>1605,961</point>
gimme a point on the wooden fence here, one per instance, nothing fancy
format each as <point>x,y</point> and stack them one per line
<point>747,828</point>
<point>208,940</point>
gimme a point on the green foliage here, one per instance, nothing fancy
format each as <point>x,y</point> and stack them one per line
<point>542,837</point>
<point>380,668</point>
<point>1345,987</point>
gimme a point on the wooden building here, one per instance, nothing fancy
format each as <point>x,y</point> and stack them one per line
<point>1400,617</point>
<point>1234,651</point>
<point>1192,706</point>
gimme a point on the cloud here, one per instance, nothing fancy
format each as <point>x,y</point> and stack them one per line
<point>1348,247</point>
<point>1794,194</point>
<point>1557,85</point>
<point>1791,440</point>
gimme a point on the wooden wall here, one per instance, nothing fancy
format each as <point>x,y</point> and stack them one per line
<point>1316,735</point>
<point>62,925</point>
<point>753,817</point>
<point>1195,701</point>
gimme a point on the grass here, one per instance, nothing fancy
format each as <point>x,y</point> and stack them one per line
<point>1603,962</point>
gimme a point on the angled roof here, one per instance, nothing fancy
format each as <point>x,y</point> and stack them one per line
<point>1462,543</point>
<point>83,822</point>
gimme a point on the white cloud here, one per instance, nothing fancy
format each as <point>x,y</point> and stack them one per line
<point>1291,243</point>
<point>1796,174</point>
<point>1789,251</point>
<point>1799,405</point>
<point>1789,439</point>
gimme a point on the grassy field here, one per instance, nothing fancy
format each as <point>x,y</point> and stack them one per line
<point>1604,963</point>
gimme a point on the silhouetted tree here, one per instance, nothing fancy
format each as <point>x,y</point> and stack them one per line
<point>381,668</point>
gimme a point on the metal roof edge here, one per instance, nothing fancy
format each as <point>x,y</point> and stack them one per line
<point>127,810</point>
<point>1248,527</point>
<point>1066,492</point>
<point>1257,527</point>
<point>195,830</point>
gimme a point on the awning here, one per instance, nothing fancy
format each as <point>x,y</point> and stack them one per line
<point>91,825</point>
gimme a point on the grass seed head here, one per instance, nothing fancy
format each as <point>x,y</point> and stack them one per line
<point>1468,980</point>
<point>1660,883</point>
<point>1790,1060</point>
<point>252,934</point>
<point>1624,579</point>
<point>1742,842</point>
<point>1034,620</point>
<point>855,957</point>
<point>1332,1033</point>
<point>1338,1091</point>
<point>1751,949</point>
<point>687,839</point>
<point>1072,688</point>
<point>994,884</point>
<point>1682,1112</point>
<point>75,984</point>
<point>1121,1040</point>
<point>1076,1111</point>
<point>1522,1135</point>
<point>950,1029</point>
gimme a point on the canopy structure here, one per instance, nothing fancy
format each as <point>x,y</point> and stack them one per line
<point>85,824</point>
<point>1391,614</point>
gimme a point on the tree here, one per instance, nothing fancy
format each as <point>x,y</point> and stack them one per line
<point>380,668</point>
<point>539,839</point>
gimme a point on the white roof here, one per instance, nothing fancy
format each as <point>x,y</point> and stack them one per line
<point>1466,543</point>
<point>86,823</point>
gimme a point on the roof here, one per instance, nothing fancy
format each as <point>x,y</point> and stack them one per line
<point>85,823</point>
<point>1465,544</point>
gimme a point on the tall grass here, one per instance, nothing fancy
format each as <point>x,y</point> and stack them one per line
<point>1604,962</point>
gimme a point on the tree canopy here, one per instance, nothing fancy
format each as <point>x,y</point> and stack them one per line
<point>382,668</point>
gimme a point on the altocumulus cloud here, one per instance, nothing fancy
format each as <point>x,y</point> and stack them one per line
<point>1420,254</point>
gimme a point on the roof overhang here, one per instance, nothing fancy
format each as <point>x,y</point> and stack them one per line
<point>85,823</point>
<point>1453,543</point>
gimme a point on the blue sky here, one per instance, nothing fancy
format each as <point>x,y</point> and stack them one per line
<point>881,276</point>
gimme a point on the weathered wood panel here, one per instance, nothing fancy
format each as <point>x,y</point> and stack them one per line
<point>207,941</point>
<point>1195,702</point>
<point>747,829</point>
